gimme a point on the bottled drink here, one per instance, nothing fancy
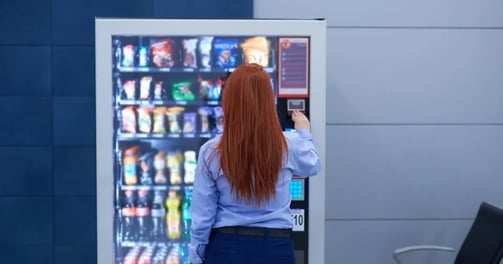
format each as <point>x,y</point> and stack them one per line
<point>128,214</point>
<point>143,214</point>
<point>146,256</point>
<point>158,213</point>
<point>186,217</point>
<point>147,168</point>
<point>160,255</point>
<point>190,165</point>
<point>173,215</point>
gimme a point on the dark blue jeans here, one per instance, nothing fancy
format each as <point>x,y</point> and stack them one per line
<point>247,249</point>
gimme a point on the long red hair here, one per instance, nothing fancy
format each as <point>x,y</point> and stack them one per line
<point>252,145</point>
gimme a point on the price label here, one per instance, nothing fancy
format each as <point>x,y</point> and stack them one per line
<point>298,220</point>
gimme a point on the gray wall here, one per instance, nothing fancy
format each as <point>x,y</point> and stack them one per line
<point>414,121</point>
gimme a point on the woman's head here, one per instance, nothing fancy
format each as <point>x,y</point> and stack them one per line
<point>252,145</point>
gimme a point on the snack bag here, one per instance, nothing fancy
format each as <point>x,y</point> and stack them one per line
<point>204,112</point>
<point>189,165</point>
<point>163,52</point>
<point>173,114</point>
<point>145,87</point>
<point>160,120</point>
<point>144,120</point>
<point>174,161</point>
<point>256,50</point>
<point>189,53</point>
<point>189,123</point>
<point>210,90</point>
<point>160,166</point>
<point>225,53</point>
<point>159,92</point>
<point>182,91</point>
<point>128,53</point>
<point>205,52</point>
<point>128,120</point>
<point>129,88</point>
<point>129,164</point>
<point>219,119</point>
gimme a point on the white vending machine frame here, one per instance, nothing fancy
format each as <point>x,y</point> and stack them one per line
<point>106,28</point>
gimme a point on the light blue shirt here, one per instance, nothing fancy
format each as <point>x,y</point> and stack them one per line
<point>213,204</point>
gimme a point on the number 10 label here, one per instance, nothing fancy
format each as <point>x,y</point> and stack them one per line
<point>298,220</point>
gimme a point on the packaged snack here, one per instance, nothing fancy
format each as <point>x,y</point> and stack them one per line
<point>159,92</point>
<point>182,91</point>
<point>174,161</point>
<point>129,88</point>
<point>204,112</point>
<point>143,56</point>
<point>219,119</point>
<point>189,53</point>
<point>189,123</point>
<point>128,56</point>
<point>128,120</point>
<point>225,53</point>
<point>190,165</point>
<point>145,87</point>
<point>129,163</point>
<point>256,50</point>
<point>205,52</point>
<point>210,90</point>
<point>160,166</point>
<point>163,52</point>
<point>144,120</point>
<point>174,114</point>
<point>160,120</point>
<point>146,165</point>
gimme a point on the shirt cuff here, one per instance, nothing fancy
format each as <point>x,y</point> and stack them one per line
<point>196,253</point>
<point>304,133</point>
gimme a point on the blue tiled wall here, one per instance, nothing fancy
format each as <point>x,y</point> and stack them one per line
<point>47,131</point>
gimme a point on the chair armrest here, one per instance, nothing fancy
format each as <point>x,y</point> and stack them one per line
<point>404,250</point>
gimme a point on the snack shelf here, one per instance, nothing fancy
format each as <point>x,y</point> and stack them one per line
<point>124,136</point>
<point>168,103</point>
<point>156,187</point>
<point>155,69</point>
<point>152,244</point>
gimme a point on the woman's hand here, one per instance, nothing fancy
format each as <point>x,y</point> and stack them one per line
<point>300,120</point>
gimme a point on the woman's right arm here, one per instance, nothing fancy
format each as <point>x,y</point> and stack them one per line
<point>305,160</point>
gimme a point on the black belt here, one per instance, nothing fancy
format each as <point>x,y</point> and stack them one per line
<point>254,231</point>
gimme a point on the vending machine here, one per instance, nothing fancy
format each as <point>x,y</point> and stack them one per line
<point>158,91</point>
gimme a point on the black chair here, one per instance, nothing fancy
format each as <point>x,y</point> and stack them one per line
<point>482,245</point>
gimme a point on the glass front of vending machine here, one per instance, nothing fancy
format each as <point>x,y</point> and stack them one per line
<point>165,92</point>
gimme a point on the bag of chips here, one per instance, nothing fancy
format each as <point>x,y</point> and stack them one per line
<point>163,52</point>
<point>189,53</point>
<point>189,123</point>
<point>128,120</point>
<point>159,120</point>
<point>129,89</point>
<point>128,53</point>
<point>144,120</point>
<point>256,50</point>
<point>210,90</point>
<point>225,52</point>
<point>182,91</point>
<point>205,52</point>
<point>145,87</point>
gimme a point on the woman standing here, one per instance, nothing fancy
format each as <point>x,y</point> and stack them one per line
<point>241,197</point>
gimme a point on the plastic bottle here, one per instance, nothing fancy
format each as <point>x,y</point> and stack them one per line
<point>186,217</point>
<point>173,215</point>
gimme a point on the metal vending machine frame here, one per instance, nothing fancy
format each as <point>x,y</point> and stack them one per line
<point>107,28</point>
